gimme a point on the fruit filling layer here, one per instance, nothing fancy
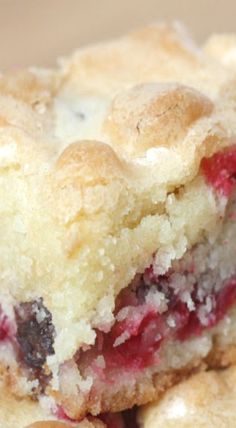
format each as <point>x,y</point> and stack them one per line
<point>193,296</point>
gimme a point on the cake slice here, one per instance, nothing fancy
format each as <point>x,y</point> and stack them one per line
<point>117,223</point>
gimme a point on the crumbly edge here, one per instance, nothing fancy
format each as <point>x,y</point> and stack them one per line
<point>214,349</point>
<point>146,392</point>
<point>16,412</point>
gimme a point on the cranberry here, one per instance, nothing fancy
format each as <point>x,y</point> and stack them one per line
<point>137,352</point>
<point>220,170</point>
<point>4,327</point>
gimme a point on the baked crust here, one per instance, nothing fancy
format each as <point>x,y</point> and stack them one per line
<point>205,399</point>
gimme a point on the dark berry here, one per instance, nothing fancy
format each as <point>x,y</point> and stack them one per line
<point>35,332</point>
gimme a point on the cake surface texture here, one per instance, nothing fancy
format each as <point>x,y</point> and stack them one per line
<point>117,221</point>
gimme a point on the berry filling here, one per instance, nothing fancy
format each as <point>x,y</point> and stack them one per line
<point>132,343</point>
